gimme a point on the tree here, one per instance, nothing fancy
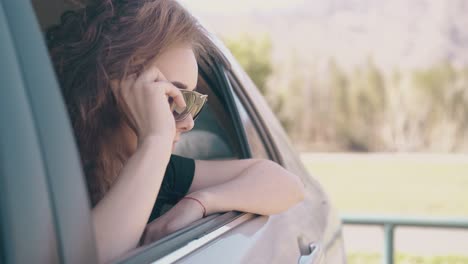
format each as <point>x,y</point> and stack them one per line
<point>254,55</point>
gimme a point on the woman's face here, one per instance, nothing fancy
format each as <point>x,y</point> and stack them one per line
<point>179,66</point>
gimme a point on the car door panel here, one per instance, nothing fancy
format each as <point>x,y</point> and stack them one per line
<point>265,239</point>
<point>251,242</point>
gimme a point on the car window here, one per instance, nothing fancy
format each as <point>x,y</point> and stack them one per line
<point>246,111</point>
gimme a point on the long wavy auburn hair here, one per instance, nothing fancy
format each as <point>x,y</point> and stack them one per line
<point>108,40</point>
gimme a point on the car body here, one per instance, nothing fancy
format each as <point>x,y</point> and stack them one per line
<point>44,208</point>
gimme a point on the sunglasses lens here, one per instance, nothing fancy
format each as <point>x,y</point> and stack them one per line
<point>194,105</point>
<point>198,109</point>
<point>196,113</point>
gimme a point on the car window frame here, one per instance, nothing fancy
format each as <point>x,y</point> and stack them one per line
<point>256,119</point>
<point>286,155</point>
<point>244,101</point>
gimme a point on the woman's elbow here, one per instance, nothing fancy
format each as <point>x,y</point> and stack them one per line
<point>292,184</point>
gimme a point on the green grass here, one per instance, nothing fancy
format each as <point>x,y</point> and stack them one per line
<point>366,258</point>
<point>404,184</point>
<point>430,185</point>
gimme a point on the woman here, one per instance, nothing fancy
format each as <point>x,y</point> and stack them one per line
<point>124,66</point>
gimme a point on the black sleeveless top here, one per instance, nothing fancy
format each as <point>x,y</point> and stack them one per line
<point>175,185</point>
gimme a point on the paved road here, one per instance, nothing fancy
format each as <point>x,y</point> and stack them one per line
<point>417,241</point>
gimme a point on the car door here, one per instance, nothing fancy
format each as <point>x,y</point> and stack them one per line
<point>281,238</point>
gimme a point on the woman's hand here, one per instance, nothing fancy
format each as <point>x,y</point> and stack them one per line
<point>146,99</point>
<point>185,212</point>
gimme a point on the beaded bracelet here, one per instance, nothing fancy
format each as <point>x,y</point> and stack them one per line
<point>191,198</point>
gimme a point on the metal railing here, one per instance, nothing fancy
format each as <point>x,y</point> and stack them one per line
<point>390,223</point>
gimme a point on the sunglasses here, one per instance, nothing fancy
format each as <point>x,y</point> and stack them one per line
<point>195,102</point>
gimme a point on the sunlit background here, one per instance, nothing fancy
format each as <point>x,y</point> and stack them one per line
<point>381,89</point>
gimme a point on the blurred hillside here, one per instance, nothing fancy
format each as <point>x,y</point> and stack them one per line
<point>362,75</point>
<point>397,33</point>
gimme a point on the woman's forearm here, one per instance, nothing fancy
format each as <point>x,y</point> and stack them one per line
<point>120,217</point>
<point>265,188</point>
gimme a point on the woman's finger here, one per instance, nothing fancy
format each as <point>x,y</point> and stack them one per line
<point>169,90</point>
<point>152,75</point>
<point>175,94</point>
